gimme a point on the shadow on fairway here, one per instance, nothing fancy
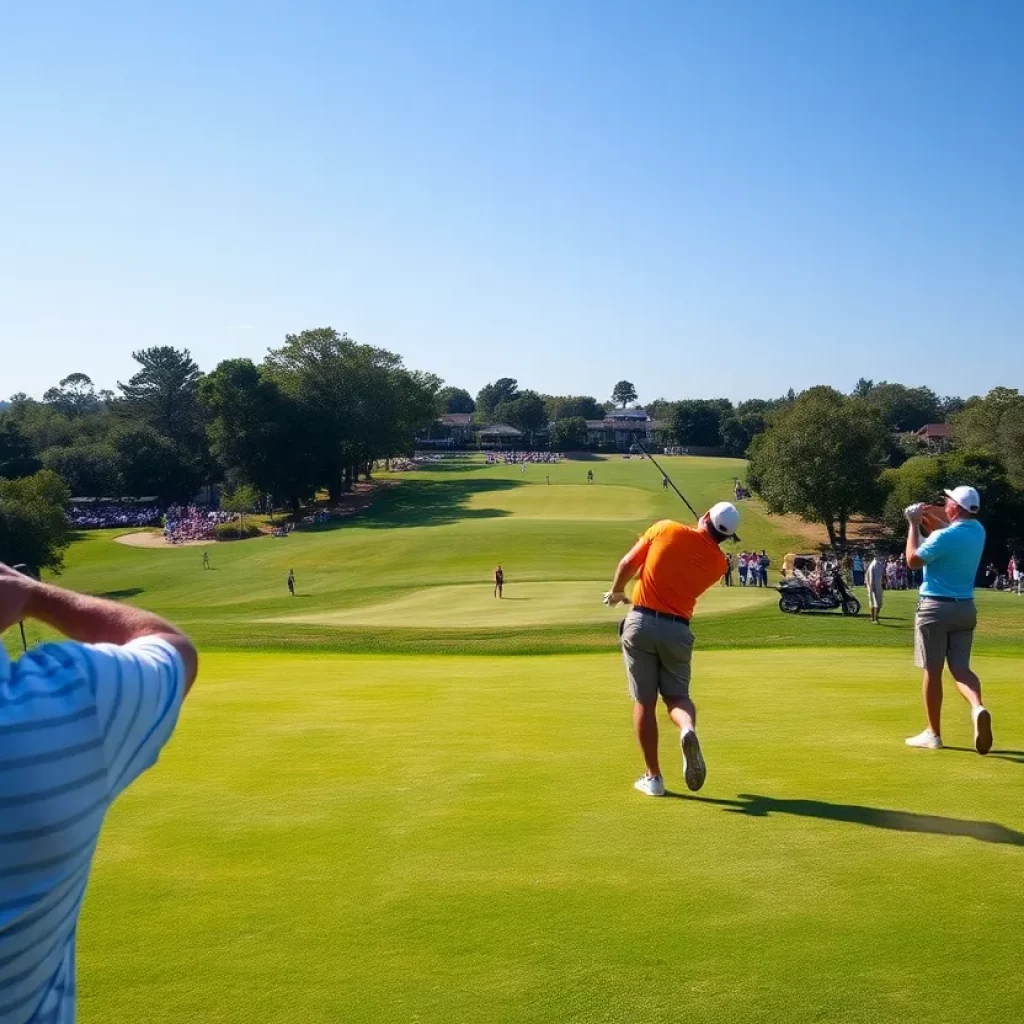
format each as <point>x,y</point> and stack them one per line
<point>1013,756</point>
<point>119,595</point>
<point>432,503</point>
<point>900,821</point>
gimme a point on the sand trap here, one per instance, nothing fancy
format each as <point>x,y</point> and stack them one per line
<point>157,540</point>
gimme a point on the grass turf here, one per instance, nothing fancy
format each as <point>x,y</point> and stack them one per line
<point>430,836</point>
<point>445,838</point>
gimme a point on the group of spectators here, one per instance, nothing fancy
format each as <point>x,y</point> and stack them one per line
<point>1012,579</point>
<point>108,516</point>
<point>183,524</point>
<point>522,458</point>
<point>751,567</point>
<point>740,491</point>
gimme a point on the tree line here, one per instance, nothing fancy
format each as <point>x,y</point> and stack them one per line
<point>318,411</point>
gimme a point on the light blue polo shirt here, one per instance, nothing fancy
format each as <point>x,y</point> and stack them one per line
<point>951,558</point>
<point>78,723</point>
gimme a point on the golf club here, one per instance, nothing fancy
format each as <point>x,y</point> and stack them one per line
<point>25,571</point>
<point>644,451</point>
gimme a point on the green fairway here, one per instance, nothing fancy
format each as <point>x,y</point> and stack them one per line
<point>442,839</point>
<point>394,798</point>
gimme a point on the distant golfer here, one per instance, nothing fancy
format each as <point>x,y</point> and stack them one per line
<point>664,483</point>
<point>291,582</point>
<point>946,615</point>
<point>873,581</point>
<point>499,581</point>
<point>676,564</point>
<point>81,719</point>
<point>206,560</point>
<point>590,476</point>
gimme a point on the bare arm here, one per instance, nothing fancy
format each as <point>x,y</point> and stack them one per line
<point>629,565</point>
<point>89,620</point>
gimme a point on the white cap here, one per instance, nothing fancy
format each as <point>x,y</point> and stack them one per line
<point>966,497</point>
<point>724,517</point>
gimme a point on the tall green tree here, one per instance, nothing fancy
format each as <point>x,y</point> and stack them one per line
<point>560,407</point>
<point>995,425</point>
<point>525,412</point>
<point>164,394</point>
<point>821,458</point>
<point>904,409</point>
<point>455,400</point>
<point>697,421</point>
<point>569,434</point>
<point>33,521</point>
<point>75,396</point>
<point>623,393</point>
<point>16,457</point>
<point>490,396</point>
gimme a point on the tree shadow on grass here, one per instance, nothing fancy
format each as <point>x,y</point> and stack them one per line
<point>432,503</point>
<point>120,595</point>
<point>875,817</point>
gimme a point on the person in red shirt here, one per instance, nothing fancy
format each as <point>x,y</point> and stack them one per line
<point>675,565</point>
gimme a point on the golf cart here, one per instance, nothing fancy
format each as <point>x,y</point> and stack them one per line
<point>814,584</point>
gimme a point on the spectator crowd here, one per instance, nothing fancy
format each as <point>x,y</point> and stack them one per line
<point>110,516</point>
<point>184,524</point>
<point>522,458</point>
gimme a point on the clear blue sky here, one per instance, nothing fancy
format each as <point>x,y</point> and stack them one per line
<point>563,192</point>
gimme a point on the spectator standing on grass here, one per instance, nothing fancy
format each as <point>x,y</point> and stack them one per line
<point>727,578</point>
<point>81,720</point>
<point>743,568</point>
<point>874,577</point>
<point>858,569</point>
<point>946,613</point>
<point>291,582</point>
<point>206,560</point>
<point>499,582</point>
<point>763,562</point>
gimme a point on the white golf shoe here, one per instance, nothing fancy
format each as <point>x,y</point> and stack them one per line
<point>694,769</point>
<point>651,785</point>
<point>926,740</point>
<point>982,730</point>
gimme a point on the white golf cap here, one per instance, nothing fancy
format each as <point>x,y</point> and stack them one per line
<point>725,517</point>
<point>966,497</point>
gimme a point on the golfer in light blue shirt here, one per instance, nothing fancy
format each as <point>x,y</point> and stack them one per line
<point>946,614</point>
<point>79,721</point>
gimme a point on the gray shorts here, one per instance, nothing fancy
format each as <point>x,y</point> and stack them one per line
<point>658,653</point>
<point>944,632</point>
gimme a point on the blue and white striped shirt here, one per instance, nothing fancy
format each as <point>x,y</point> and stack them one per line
<point>78,723</point>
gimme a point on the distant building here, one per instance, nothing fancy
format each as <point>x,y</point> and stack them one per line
<point>499,435</point>
<point>453,430</point>
<point>621,428</point>
<point>936,436</point>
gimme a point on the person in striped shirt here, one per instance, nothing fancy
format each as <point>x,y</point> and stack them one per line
<point>79,721</point>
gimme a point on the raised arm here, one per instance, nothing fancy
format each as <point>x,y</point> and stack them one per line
<point>90,620</point>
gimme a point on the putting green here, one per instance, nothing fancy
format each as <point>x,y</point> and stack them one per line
<point>524,604</point>
<point>438,839</point>
<point>538,500</point>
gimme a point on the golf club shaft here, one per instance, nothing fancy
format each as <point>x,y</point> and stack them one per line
<point>24,642</point>
<point>669,479</point>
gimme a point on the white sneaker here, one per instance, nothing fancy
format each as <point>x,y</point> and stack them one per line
<point>694,769</point>
<point>652,785</point>
<point>982,730</point>
<point>927,739</point>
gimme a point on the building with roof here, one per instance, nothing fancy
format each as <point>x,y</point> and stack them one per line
<point>621,428</point>
<point>937,436</point>
<point>499,435</point>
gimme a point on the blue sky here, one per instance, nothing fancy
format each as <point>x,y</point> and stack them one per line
<point>707,198</point>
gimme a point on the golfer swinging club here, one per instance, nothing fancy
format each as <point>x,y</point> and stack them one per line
<point>676,564</point>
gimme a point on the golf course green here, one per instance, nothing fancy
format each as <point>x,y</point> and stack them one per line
<point>394,798</point>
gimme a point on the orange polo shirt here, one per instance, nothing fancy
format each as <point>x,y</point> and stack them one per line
<point>679,564</point>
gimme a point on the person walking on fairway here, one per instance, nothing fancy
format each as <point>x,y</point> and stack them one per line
<point>206,560</point>
<point>590,476</point>
<point>499,581</point>
<point>873,580</point>
<point>676,564</point>
<point>946,614</point>
<point>291,582</point>
<point>664,483</point>
<point>81,719</point>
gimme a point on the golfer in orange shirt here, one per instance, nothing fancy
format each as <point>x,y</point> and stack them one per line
<point>676,564</point>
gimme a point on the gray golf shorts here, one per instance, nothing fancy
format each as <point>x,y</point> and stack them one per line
<point>658,653</point>
<point>944,632</point>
